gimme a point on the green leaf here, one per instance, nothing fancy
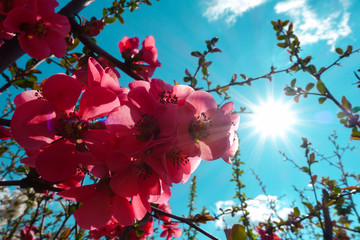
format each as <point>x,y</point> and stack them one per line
<point>321,100</point>
<point>312,69</point>
<point>345,103</point>
<point>308,205</point>
<point>297,98</point>
<point>293,82</point>
<point>339,51</point>
<point>305,169</point>
<point>282,45</point>
<point>110,20</point>
<point>187,73</point>
<point>296,212</point>
<point>321,87</point>
<point>312,158</point>
<point>196,54</point>
<point>356,109</point>
<point>243,76</point>
<point>309,86</point>
<point>340,115</point>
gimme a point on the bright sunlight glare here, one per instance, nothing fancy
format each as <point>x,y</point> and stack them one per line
<point>273,118</point>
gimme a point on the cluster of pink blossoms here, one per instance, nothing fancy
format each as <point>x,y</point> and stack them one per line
<point>40,30</point>
<point>138,141</point>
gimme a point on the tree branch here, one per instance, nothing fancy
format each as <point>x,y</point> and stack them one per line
<point>122,66</point>
<point>184,220</point>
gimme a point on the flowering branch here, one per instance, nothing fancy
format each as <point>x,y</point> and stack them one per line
<point>95,48</point>
<point>10,51</point>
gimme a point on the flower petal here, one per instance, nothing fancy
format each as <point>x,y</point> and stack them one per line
<point>58,161</point>
<point>62,91</point>
<point>33,124</point>
<point>97,102</point>
<point>95,212</point>
<point>122,210</point>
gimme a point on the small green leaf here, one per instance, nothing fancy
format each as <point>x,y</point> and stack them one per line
<point>339,51</point>
<point>110,20</point>
<point>187,73</point>
<point>296,212</point>
<point>321,100</point>
<point>345,103</point>
<point>297,98</point>
<point>340,115</point>
<point>196,54</point>
<point>321,87</point>
<point>293,82</point>
<point>305,169</point>
<point>312,69</point>
<point>282,45</point>
<point>309,86</point>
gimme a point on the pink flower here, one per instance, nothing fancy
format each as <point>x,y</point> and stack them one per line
<point>133,177</point>
<point>41,30</point>
<point>267,235</point>
<point>234,140</point>
<point>170,230</point>
<point>4,133</point>
<point>129,49</point>
<point>166,93</point>
<point>92,28</point>
<point>142,123</point>
<point>28,233</point>
<point>100,205</point>
<point>37,123</point>
<point>148,52</point>
<point>203,129</point>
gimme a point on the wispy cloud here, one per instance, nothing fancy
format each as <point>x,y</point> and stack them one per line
<point>259,209</point>
<point>229,9</point>
<point>311,26</point>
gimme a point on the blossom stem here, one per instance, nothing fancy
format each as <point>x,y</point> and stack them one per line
<point>95,48</point>
<point>184,220</point>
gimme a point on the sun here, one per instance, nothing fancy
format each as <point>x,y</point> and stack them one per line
<point>273,118</point>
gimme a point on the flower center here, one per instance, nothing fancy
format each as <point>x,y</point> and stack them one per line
<point>199,127</point>
<point>140,169</point>
<point>71,126</point>
<point>167,97</point>
<point>177,158</point>
<point>38,29</point>
<point>147,126</point>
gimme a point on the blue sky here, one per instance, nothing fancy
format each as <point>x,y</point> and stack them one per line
<point>248,46</point>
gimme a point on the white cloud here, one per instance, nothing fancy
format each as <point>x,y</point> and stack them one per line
<point>229,9</point>
<point>310,27</point>
<point>259,209</point>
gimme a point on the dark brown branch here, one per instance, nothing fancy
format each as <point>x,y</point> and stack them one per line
<point>10,51</point>
<point>5,122</point>
<point>122,66</point>
<point>184,220</point>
